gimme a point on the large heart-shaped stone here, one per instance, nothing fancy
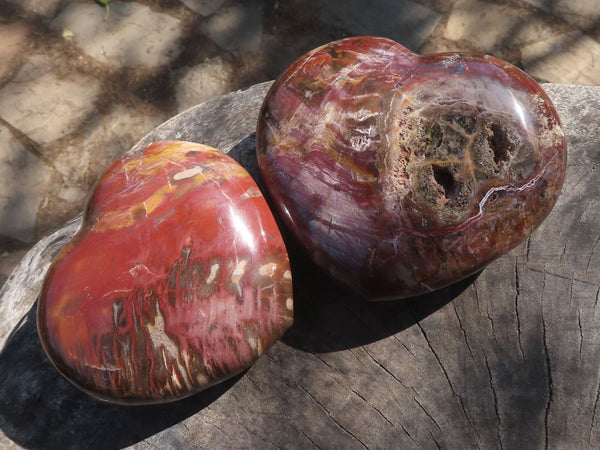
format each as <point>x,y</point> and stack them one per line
<point>178,279</point>
<point>401,173</point>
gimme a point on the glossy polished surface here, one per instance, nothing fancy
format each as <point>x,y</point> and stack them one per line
<point>403,173</point>
<point>178,279</point>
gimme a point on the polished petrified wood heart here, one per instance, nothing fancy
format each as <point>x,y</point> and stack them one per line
<point>178,279</point>
<point>401,173</point>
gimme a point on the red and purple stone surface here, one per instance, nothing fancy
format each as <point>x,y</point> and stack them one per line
<point>402,173</point>
<point>178,279</point>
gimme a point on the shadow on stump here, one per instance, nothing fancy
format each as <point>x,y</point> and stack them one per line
<point>40,409</point>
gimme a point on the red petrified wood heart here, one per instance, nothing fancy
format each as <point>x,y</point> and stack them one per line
<point>178,279</point>
<point>402,173</point>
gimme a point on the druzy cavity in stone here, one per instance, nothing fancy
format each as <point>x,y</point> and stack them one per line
<point>177,280</point>
<point>402,173</point>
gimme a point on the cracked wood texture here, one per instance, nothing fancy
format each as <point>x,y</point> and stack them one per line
<point>509,358</point>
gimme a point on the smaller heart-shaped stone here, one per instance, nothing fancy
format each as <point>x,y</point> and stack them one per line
<point>177,280</point>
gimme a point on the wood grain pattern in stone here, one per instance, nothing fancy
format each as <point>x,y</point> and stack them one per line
<point>402,173</point>
<point>178,279</point>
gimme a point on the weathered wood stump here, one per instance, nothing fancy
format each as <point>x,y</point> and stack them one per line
<point>506,359</point>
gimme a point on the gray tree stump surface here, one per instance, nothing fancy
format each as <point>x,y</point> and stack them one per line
<point>509,358</point>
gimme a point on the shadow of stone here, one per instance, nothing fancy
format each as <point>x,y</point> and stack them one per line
<point>328,318</point>
<point>244,152</point>
<point>40,409</point>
